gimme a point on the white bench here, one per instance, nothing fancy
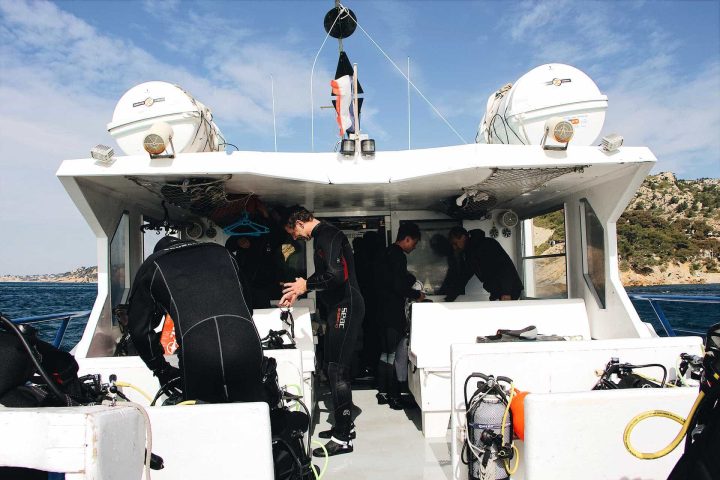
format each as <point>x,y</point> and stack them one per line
<point>231,440</point>
<point>85,443</point>
<point>436,326</point>
<point>295,366</point>
<point>580,431</point>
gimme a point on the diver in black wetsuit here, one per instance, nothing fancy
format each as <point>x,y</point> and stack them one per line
<point>485,258</point>
<point>198,285</point>
<point>334,280</point>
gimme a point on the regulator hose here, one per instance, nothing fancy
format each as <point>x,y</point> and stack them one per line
<point>685,422</point>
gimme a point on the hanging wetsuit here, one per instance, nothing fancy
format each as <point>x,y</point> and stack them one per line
<point>198,285</point>
<point>395,285</point>
<point>334,280</point>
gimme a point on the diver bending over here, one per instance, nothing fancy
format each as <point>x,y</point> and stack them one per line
<point>198,285</point>
<point>334,280</point>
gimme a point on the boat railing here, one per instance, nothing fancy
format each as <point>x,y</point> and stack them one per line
<point>655,301</point>
<point>64,318</point>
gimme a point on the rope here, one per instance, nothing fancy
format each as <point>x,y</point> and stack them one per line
<point>663,414</point>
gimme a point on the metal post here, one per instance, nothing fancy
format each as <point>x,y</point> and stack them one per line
<point>355,107</point>
<point>272,89</point>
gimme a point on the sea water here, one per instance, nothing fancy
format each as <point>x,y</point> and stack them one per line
<point>29,299</point>
<point>19,300</point>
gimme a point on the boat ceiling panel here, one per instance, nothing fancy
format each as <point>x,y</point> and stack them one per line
<point>406,180</point>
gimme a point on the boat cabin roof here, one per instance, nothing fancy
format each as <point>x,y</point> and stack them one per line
<point>526,179</point>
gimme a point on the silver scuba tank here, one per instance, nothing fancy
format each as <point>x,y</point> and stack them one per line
<point>488,445</point>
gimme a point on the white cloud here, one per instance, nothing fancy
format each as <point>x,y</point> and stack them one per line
<point>61,79</point>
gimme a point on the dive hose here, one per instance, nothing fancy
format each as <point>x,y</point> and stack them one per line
<point>685,422</point>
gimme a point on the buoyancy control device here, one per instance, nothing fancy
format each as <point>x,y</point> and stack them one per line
<point>488,447</point>
<point>621,375</point>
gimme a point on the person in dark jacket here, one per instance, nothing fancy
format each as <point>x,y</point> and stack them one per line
<point>260,262</point>
<point>198,285</point>
<point>484,257</point>
<point>395,284</point>
<point>337,290</point>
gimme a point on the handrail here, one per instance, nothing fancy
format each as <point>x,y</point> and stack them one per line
<point>65,317</point>
<point>653,299</point>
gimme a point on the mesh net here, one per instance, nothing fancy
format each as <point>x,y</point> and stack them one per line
<point>502,185</point>
<point>205,197</point>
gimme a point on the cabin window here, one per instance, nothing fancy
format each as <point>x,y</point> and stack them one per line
<point>544,264</point>
<point>430,260</point>
<point>593,246</point>
<point>119,261</point>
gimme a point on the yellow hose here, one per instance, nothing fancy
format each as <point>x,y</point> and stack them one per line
<point>663,414</point>
<point>324,468</point>
<point>139,390</point>
<point>509,470</point>
<point>188,402</point>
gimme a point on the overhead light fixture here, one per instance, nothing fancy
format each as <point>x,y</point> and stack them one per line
<point>612,142</point>
<point>367,147</point>
<point>558,133</point>
<point>102,154</point>
<point>347,147</point>
<point>158,139</point>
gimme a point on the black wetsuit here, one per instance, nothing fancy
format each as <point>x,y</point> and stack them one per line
<point>198,285</point>
<point>486,258</point>
<point>334,280</point>
<point>395,286</point>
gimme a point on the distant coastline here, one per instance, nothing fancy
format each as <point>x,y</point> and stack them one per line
<point>79,275</point>
<point>670,274</point>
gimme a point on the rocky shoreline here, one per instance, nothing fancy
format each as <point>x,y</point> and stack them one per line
<point>671,274</point>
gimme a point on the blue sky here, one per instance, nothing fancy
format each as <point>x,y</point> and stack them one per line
<point>64,65</point>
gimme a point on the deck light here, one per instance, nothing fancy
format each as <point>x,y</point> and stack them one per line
<point>102,154</point>
<point>612,142</point>
<point>157,140</point>
<point>347,147</point>
<point>559,130</point>
<point>367,147</point>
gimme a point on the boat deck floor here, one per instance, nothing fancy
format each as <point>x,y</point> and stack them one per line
<point>389,443</point>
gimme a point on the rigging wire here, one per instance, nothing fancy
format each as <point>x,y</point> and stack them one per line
<point>343,11</point>
<point>437,112</point>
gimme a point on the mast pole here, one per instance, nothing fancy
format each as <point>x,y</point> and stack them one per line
<point>355,107</point>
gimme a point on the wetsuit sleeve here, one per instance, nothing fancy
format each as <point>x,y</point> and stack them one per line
<point>141,321</point>
<point>401,280</point>
<point>336,273</point>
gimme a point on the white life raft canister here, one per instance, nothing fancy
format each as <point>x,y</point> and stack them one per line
<point>516,114</point>
<point>151,102</point>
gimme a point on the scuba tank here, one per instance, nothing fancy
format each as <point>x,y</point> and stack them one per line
<point>488,445</point>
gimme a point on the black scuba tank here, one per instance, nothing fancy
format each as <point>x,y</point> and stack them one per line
<point>488,445</point>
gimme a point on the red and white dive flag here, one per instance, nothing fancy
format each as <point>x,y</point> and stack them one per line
<point>342,90</point>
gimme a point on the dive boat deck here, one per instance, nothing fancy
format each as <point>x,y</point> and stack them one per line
<point>389,443</point>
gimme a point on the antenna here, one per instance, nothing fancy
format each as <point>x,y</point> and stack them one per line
<point>272,89</point>
<point>408,97</point>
